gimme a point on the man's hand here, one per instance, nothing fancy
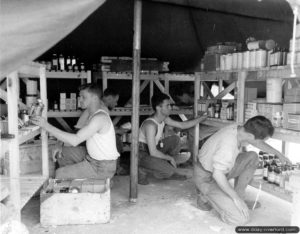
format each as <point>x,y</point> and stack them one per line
<point>57,151</point>
<point>241,205</point>
<point>172,161</point>
<point>40,121</point>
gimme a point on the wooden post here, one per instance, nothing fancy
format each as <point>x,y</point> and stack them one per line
<point>196,128</point>
<point>44,135</point>
<point>151,90</point>
<point>241,96</point>
<point>136,99</point>
<point>89,77</point>
<point>14,160</point>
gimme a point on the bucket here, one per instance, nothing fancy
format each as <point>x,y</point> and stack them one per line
<point>274,90</point>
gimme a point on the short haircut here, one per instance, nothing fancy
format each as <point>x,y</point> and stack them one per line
<point>92,88</point>
<point>158,99</point>
<point>260,127</point>
<point>111,92</point>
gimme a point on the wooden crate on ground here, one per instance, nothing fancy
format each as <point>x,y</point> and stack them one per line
<point>89,205</point>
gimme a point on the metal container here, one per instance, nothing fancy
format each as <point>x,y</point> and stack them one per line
<point>261,58</point>
<point>246,59</point>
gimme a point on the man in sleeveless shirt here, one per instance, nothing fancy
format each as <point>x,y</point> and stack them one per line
<point>99,159</point>
<point>158,156</point>
<point>221,158</point>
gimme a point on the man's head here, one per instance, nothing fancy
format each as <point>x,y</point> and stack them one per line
<point>161,102</point>
<point>260,127</point>
<point>89,94</point>
<point>110,98</point>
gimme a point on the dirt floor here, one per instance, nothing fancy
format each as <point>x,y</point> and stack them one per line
<point>164,207</point>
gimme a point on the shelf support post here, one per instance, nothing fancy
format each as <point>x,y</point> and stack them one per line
<point>196,128</point>
<point>14,152</point>
<point>137,27</point>
<point>241,96</point>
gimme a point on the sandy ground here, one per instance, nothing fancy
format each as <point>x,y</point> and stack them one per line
<point>162,207</point>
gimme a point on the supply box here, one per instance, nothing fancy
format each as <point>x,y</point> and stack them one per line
<point>79,201</point>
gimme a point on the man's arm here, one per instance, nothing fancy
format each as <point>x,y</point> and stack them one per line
<point>223,183</point>
<point>185,124</point>
<point>150,131</point>
<point>267,148</point>
<point>94,125</point>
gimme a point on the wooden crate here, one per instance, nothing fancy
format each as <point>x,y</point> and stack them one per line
<point>74,208</point>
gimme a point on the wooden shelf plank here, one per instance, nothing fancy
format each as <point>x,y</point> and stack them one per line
<point>29,186</point>
<point>64,114</point>
<point>66,75</point>
<point>32,69</point>
<point>28,133</point>
<point>272,189</point>
<point>218,122</point>
<point>286,135</point>
<point>178,77</point>
<point>128,76</point>
<point>260,74</point>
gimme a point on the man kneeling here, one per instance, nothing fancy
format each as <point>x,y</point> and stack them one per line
<point>221,159</point>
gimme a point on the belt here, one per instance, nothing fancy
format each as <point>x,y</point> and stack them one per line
<point>95,161</point>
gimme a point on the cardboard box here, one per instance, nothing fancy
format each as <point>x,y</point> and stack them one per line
<point>64,208</point>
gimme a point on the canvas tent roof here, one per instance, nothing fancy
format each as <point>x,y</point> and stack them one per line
<point>172,30</point>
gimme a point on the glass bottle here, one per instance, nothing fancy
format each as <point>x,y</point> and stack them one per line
<point>61,62</point>
<point>266,167</point>
<point>54,66</point>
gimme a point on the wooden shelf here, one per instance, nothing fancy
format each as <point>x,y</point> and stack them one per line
<point>177,77</point>
<point>67,75</point>
<point>27,133</point>
<point>64,114</point>
<point>286,135</point>
<point>260,74</point>
<point>272,189</point>
<point>128,76</point>
<point>29,186</point>
<point>218,122</point>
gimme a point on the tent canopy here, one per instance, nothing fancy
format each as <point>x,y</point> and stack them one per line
<point>172,30</point>
<point>178,31</point>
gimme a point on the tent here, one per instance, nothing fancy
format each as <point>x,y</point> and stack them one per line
<point>172,30</point>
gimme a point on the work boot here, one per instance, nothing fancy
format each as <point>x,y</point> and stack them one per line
<point>203,204</point>
<point>182,157</point>
<point>142,177</point>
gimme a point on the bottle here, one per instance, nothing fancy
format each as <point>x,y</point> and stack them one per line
<point>37,108</point>
<point>277,172</point>
<point>271,175</point>
<point>266,167</point>
<point>55,106</point>
<point>25,117</point>
<point>211,110</point>
<point>73,63</point>
<point>217,110</point>
<point>61,62</point>
<point>68,63</point>
<point>54,63</point>
<point>82,67</point>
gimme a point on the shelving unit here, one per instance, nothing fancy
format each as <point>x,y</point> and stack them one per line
<point>162,81</point>
<point>59,115</point>
<point>240,77</point>
<point>22,188</point>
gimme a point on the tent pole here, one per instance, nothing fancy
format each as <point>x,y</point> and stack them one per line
<point>137,23</point>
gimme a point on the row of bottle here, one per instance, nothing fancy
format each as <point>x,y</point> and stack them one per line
<point>273,171</point>
<point>60,63</point>
<point>216,110</point>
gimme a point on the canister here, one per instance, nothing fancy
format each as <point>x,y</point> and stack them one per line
<point>261,58</point>
<point>222,62</point>
<point>239,60</point>
<point>234,61</point>
<point>31,87</point>
<point>252,58</point>
<point>246,59</point>
<point>228,62</point>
